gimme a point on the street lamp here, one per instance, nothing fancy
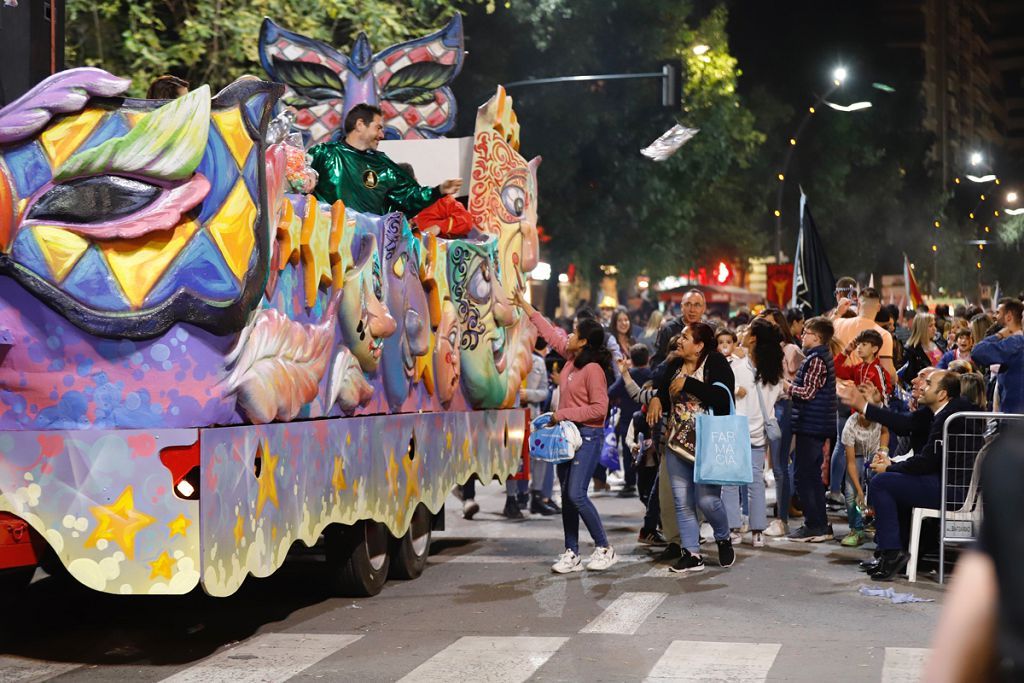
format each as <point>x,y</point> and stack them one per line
<point>977,159</point>
<point>1011,197</point>
<point>700,49</point>
<point>839,75</point>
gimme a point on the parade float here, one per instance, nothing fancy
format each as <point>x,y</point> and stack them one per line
<point>201,367</point>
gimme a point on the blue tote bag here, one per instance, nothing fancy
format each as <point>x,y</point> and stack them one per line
<point>723,448</point>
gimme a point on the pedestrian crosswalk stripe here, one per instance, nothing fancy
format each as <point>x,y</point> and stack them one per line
<point>625,614</point>
<point>692,660</point>
<point>267,658</point>
<point>22,670</point>
<point>479,658</point>
<point>474,558</point>
<point>903,664</point>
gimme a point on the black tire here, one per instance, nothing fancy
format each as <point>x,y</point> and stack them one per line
<point>357,558</point>
<point>409,553</point>
<point>15,580</point>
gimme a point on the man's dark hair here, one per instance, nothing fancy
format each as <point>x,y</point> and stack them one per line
<point>361,112</point>
<point>585,313</point>
<point>845,282</point>
<point>871,337</point>
<point>922,308</point>
<point>1014,307</point>
<point>793,315</point>
<point>639,355</point>
<point>870,293</point>
<point>883,316</point>
<point>950,383</point>
<point>960,311</point>
<point>165,88</point>
<point>540,344</point>
<point>822,327</point>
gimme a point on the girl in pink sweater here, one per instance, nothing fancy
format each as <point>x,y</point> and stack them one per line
<point>583,400</point>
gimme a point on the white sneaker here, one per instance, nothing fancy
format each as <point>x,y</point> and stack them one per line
<point>602,559</point>
<point>469,508</point>
<point>757,539</point>
<point>706,532</point>
<point>735,538</point>
<point>568,562</point>
<point>776,528</point>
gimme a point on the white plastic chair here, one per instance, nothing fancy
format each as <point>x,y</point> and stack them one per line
<point>969,511</point>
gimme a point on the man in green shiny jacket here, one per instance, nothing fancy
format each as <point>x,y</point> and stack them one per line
<point>365,179</point>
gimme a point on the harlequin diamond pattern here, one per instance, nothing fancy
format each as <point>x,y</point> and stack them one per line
<point>141,273</point>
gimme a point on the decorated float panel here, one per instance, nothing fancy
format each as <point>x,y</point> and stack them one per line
<point>199,367</point>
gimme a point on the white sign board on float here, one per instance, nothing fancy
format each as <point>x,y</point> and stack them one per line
<point>434,161</point>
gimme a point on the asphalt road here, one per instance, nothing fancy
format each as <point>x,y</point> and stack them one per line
<point>487,608</point>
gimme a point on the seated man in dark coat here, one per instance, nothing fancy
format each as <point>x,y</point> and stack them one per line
<point>898,487</point>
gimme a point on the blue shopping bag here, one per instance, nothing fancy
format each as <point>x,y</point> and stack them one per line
<point>610,447</point>
<point>548,442</point>
<point>723,448</point>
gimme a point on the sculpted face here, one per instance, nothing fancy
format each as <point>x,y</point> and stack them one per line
<point>408,302</point>
<point>446,353</point>
<point>127,216</point>
<point>364,320</point>
<point>484,314</point>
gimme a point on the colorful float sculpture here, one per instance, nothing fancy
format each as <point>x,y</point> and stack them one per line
<point>198,368</point>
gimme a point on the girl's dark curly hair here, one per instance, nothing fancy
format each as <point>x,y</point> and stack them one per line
<point>595,351</point>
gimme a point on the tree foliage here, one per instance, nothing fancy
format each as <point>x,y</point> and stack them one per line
<point>600,200</point>
<point>215,41</point>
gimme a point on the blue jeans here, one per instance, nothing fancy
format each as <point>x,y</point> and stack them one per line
<point>837,465</point>
<point>542,477</point>
<point>780,451</point>
<point>893,495</point>
<point>687,496</point>
<point>853,513</point>
<point>574,477</point>
<point>751,496</point>
<point>808,458</point>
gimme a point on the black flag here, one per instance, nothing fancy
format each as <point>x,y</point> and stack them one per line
<point>813,283</point>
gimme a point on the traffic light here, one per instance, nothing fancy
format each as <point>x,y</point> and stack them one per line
<point>671,85</point>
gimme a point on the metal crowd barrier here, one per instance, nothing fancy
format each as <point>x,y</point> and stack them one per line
<point>966,438</point>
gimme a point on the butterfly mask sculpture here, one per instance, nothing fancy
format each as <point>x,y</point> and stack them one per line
<point>408,81</point>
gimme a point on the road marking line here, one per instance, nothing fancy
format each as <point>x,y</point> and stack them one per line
<point>268,658</point>
<point>474,558</point>
<point>691,660</point>
<point>625,614</point>
<point>24,670</point>
<point>904,664</point>
<point>495,660</point>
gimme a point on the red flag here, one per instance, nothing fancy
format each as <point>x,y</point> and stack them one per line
<point>913,291</point>
<point>779,284</point>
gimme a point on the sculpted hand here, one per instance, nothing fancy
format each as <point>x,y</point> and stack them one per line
<point>451,186</point>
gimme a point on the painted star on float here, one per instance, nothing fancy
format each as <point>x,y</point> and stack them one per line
<point>412,480</point>
<point>239,530</point>
<point>267,484</point>
<point>391,474</point>
<point>338,477</point>
<point>119,523</point>
<point>179,526</point>
<point>163,566</point>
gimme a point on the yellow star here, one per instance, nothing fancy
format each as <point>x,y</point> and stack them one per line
<point>447,441</point>
<point>412,480</point>
<point>338,478</point>
<point>391,474</point>
<point>239,530</point>
<point>466,455</point>
<point>348,439</point>
<point>289,230</point>
<point>119,523</point>
<point>179,526</point>
<point>316,251</point>
<point>273,532</point>
<point>162,566</point>
<point>423,366</point>
<point>266,482</point>
<point>340,243</point>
